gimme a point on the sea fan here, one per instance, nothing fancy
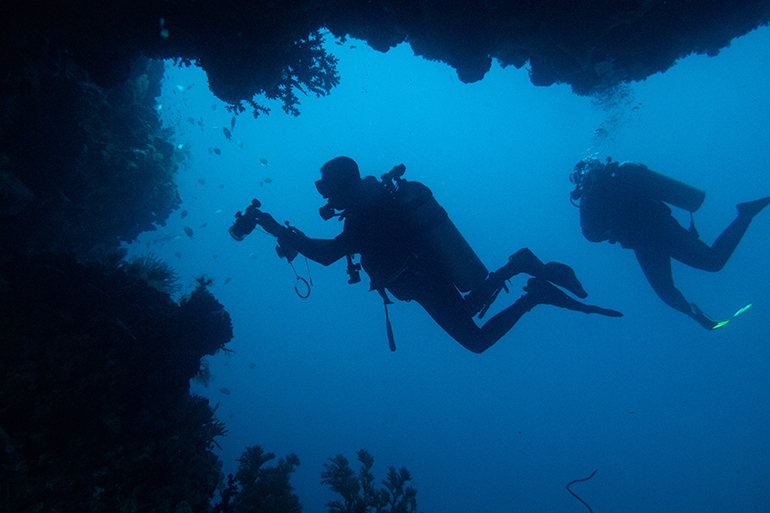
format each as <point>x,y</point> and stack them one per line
<point>154,271</point>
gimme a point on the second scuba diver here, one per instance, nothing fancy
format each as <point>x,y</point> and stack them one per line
<point>626,203</point>
<point>410,248</point>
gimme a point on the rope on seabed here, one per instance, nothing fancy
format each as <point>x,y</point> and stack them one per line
<point>573,493</point>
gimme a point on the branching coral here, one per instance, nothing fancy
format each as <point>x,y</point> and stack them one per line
<point>358,493</point>
<point>265,489</point>
<point>305,64</point>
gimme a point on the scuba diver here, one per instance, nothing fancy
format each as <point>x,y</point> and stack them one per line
<point>410,248</point>
<point>626,203</point>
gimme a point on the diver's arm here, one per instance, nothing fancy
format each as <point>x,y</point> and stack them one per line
<point>323,251</point>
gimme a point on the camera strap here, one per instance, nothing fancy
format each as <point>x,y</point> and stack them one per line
<point>302,280</point>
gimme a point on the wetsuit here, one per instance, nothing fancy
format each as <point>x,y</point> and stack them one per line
<point>397,256</point>
<point>612,209</point>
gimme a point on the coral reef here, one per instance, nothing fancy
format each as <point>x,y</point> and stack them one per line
<point>82,167</point>
<point>94,383</point>
<point>358,492</point>
<point>267,47</point>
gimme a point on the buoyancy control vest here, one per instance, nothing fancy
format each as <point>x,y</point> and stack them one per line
<point>419,227</point>
<point>404,231</point>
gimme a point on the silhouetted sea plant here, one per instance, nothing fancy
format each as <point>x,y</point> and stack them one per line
<point>358,492</point>
<point>259,489</point>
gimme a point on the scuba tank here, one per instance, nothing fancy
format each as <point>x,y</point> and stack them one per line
<point>445,241</point>
<point>660,187</point>
<point>637,177</point>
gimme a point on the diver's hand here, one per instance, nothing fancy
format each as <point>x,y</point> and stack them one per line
<point>270,225</point>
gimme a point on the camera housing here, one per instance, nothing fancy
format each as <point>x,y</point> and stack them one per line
<point>245,223</point>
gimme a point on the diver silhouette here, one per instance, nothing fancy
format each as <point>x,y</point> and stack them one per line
<point>410,248</point>
<point>626,203</point>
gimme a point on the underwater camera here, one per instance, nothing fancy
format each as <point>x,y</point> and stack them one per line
<point>245,223</point>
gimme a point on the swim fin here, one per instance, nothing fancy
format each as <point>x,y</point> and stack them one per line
<point>709,323</point>
<point>546,294</point>
<point>736,314</point>
<point>524,261</point>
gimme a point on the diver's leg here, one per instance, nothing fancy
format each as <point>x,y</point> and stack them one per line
<point>656,266</point>
<point>539,292</point>
<point>752,208</point>
<point>523,261</point>
<point>446,306</point>
<point>697,254</point>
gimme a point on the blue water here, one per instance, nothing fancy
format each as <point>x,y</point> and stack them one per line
<point>675,418</point>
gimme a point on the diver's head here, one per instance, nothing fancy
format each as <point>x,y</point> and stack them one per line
<point>583,174</point>
<point>587,165</point>
<point>339,183</point>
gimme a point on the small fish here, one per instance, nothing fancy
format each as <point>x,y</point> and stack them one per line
<point>218,211</point>
<point>232,123</point>
<point>190,86</point>
<point>184,214</point>
<point>264,162</point>
<point>227,133</point>
<point>188,231</point>
<point>240,144</point>
<point>209,150</point>
<point>214,107</point>
<point>222,186</point>
<point>228,280</point>
<point>217,151</point>
<point>201,181</point>
<point>191,120</point>
<point>204,225</point>
<point>225,391</point>
<point>252,365</point>
<point>177,254</point>
<point>181,88</point>
<point>268,180</point>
